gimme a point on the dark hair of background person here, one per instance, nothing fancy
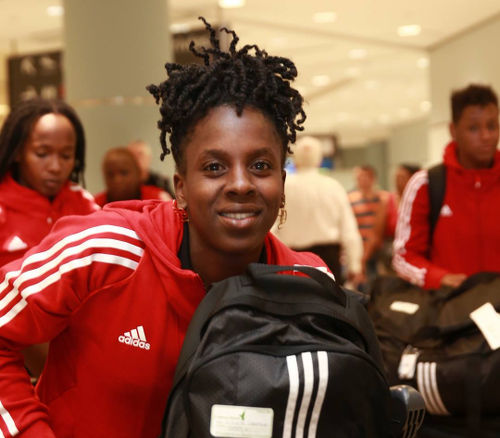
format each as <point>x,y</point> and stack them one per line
<point>410,168</point>
<point>236,78</point>
<point>473,94</point>
<point>368,168</point>
<point>21,120</point>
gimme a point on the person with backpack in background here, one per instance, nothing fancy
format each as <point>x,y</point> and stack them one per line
<point>466,236</point>
<point>114,292</point>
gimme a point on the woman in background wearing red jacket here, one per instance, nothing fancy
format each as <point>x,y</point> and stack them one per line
<point>42,157</point>
<point>114,292</point>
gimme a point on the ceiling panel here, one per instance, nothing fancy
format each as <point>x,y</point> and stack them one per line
<point>359,99</point>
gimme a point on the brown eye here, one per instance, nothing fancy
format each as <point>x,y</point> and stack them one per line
<point>262,165</point>
<point>213,167</point>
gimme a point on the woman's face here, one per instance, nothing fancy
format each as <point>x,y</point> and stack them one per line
<point>48,156</point>
<point>232,183</point>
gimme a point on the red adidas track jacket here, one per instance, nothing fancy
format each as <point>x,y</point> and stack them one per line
<point>108,290</point>
<point>26,217</point>
<point>467,234</point>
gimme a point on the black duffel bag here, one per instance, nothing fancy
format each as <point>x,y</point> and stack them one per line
<point>428,340</point>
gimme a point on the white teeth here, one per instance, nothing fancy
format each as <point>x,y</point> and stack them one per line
<point>238,215</point>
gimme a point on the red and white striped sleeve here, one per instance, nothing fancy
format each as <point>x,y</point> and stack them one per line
<point>411,247</point>
<point>40,292</point>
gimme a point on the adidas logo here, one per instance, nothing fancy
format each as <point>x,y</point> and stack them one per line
<point>446,210</point>
<point>136,338</point>
<point>16,244</point>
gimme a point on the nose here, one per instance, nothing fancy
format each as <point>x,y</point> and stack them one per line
<point>54,164</point>
<point>487,133</point>
<point>240,181</point>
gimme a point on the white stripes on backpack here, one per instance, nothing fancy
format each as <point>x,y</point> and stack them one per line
<point>9,422</point>
<point>403,230</point>
<point>427,386</point>
<point>103,244</point>
<point>308,384</point>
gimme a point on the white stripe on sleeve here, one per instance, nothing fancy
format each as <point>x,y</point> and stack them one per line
<point>91,243</point>
<point>9,422</point>
<point>56,276</point>
<point>44,255</point>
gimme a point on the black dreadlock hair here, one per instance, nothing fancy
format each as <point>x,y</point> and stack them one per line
<point>19,123</point>
<point>235,78</point>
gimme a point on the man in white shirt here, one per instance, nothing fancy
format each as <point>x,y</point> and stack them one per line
<point>319,215</point>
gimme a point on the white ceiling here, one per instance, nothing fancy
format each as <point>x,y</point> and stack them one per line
<point>358,99</point>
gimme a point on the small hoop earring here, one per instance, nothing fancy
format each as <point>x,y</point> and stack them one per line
<point>180,212</point>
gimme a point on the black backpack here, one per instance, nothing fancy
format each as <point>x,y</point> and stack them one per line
<point>279,355</point>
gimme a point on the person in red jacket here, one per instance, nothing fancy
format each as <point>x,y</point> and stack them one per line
<point>122,175</point>
<point>42,158</point>
<point>114,292</point>
<point>466,239</point>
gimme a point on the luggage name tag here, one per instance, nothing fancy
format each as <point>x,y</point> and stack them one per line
<point>404,307</point>
<point>488,321</point>
<point>241,421</point>
<point>408,363</point>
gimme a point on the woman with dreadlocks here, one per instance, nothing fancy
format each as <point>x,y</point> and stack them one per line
<point>114,293</point>
<point>42,153</point>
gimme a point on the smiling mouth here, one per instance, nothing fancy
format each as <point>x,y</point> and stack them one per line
<point>239,216</point>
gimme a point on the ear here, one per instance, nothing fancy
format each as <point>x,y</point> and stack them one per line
<point>283,176</point>
<point>453,131</point>
<point>179,187</point>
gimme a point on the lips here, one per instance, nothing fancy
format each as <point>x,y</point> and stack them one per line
<point>52,186</point>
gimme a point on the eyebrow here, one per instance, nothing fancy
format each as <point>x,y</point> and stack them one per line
<point>217,153</point>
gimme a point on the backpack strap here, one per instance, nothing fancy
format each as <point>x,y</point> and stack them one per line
<point>437,189</point>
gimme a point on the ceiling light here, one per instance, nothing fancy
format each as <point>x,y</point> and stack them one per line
<point>325,17</point>
<point>425,106</point>
<point>55,11</point>
<point>409,30</point>
<point>423,62</point>
<point>357,53</point>
<point>227,4</point>
<point>320,80</point>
